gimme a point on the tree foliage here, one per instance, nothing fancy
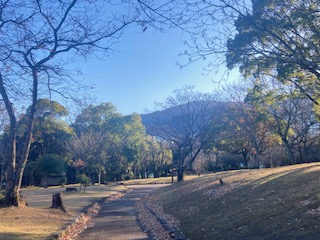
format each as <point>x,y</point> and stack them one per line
<point>279,38</point>
<point>49,164</point>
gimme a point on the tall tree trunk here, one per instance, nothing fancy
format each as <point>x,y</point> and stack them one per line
<point>143,174</point>
<point>180,174</point>
<point>305,152</point>
<point>17,163</point>
<point>2,176</point>
<point>99,177</point>
<point>12,195</point>
<point>300,149</point>
<point>289,151</point>
<point>257,160</point>
<point>156,173</point>
<point>181,170</point>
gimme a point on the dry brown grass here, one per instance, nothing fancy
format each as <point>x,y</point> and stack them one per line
<point>160,180</point>
<point>38,221</point>
<point>73,201</point>
<point>30,223</point>
<point>279,203</point>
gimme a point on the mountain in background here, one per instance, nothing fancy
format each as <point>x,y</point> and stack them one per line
<point>174,117</point>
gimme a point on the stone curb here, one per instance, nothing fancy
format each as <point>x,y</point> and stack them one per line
<point>172,232</point>
<point>84,220</point>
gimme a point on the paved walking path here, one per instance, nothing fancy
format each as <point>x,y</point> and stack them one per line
<point>117,220</point>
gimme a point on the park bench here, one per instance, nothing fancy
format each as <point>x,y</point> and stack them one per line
<point>71,189</point>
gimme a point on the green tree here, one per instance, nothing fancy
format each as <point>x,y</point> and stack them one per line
<point>251,134</point>
<point>96,118</point>
<point>272,37</point>
<point>160,155</point>
<point>95,128</point>
<point>286,110</point>
<point>131,144</point>
<point>84,181</point>
<point>49,164</point>
<point>279,37</point>
<point>258,36</point>
<point>97,170</point>
<point>109,144</point>
<point>50,132</point>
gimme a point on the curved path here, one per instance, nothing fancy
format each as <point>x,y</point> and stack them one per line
<point>117,219</point>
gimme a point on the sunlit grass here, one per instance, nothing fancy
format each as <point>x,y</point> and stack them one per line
<point>279,203</point>
<point>38,221</point>
<point>160,180</point>
<point>30,223</point>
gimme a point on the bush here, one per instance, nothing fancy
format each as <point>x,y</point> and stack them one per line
<point>63,181</point>
<point>83,180</point>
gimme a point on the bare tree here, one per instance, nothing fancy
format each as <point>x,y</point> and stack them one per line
<point>3,122</point>
<point>251,133</point>
<point>306,130</point>
<point>289,113</point>
<point>185,121</point>
<point>38,39</point>
<point>90,148</point>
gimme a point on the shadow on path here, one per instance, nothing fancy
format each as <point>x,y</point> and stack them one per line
<point>117,219</point>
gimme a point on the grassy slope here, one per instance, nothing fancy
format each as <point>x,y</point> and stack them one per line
<point>280,203</point>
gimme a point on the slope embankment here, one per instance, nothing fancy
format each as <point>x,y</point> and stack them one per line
<point>279,203</point>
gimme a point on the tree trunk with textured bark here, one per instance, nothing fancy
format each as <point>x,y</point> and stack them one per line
<point>57,201</point>
<point>18,160</point>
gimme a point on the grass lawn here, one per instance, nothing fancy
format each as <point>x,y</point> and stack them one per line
<point>160,180</point>
<point>38,221</point>
<point>279,203</point>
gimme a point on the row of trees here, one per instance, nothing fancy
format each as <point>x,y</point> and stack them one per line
<point>275,45</point>
<point>262,124</point>
<point>39,41</point>
<point>275,39</point>
<point>101,144</point>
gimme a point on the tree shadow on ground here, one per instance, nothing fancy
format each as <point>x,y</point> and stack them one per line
<point>14,236</point>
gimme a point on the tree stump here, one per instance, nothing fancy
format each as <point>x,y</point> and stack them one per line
<point>221,182</point>
<point>57,201</point>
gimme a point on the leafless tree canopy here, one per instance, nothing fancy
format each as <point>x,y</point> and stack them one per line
<point>38,39</point>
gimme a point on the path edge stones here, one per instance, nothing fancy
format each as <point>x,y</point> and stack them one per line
<point>84,220</point>
<point>159,225</point>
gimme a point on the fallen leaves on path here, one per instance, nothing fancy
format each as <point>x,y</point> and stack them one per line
<point>84,221</point>
<point>160,225</point>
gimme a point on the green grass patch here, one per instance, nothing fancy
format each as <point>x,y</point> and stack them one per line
<point>281,203</point>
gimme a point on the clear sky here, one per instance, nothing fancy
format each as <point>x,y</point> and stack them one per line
<point>144,71</point>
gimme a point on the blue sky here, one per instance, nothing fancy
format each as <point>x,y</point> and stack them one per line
<point>144,71</point>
